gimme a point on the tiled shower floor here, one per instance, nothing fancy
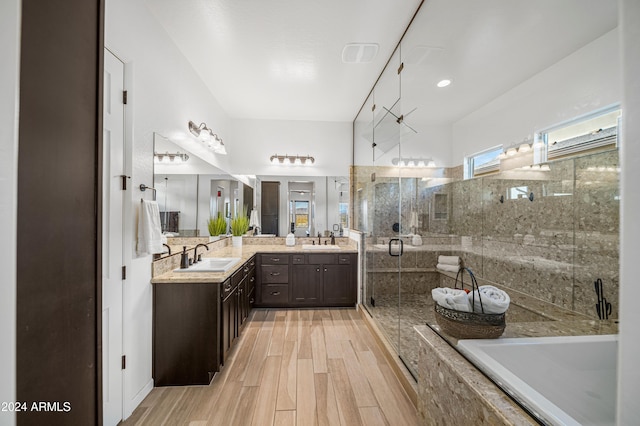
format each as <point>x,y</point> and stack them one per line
<point>417,309</point>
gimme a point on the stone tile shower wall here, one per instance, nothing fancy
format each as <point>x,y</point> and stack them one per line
<point>552,248</point>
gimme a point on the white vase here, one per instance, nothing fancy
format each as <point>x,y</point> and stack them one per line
<point>236,241</point>
<point>214,238</point>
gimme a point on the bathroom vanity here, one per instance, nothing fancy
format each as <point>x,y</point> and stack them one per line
<point>198,316</point>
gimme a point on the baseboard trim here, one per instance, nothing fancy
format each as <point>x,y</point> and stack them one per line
<point>404,377</point>
<point>130,406</point>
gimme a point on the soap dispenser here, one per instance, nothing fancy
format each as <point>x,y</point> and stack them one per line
<point>291,240</point>
<point>184,258</point>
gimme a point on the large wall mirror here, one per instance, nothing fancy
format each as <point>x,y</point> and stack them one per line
<point>303,205</point>
<point>189,191</point>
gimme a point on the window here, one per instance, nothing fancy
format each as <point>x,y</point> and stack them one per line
<point>595,131</point>
<point>302,214</point>
<point>482,162</point>
<point>343,209</point>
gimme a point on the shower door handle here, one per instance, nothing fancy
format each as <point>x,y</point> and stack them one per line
<point>401,247</point>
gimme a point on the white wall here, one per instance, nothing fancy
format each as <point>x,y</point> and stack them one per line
<point>9,87</point>
<point>582,82</point>
<point>255,141</point>
<point>164,94</point>
<point>629,350</point>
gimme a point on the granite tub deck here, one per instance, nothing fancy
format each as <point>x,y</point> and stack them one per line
<point>163,270</point>
<point>452,391</point>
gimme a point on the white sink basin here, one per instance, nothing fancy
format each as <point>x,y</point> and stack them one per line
<point>319,247</point>
<point>211,264</point>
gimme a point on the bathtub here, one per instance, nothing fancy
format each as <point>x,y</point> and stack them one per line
<point>568,380</point>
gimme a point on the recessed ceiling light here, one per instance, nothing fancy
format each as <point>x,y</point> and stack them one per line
<point>444,83</point>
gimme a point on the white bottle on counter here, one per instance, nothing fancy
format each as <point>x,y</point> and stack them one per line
<point>291,240</point>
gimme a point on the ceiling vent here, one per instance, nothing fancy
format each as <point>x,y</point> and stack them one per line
<point>359,53</point>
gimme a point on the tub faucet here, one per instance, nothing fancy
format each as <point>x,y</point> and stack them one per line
<point>168,248</point>
<point>197,258</point>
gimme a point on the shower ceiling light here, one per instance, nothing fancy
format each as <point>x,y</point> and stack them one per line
<point>292,160</point>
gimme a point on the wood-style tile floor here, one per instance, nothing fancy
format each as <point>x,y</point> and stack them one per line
<point>291,367</point>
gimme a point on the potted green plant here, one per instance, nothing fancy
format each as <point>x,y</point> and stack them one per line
<point>239,227</point>
<point>217,227</point>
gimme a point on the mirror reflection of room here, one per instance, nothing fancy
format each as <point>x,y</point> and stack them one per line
<point>301,203</point>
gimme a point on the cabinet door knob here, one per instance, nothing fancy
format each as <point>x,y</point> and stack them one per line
<point>246,269</point>
<point>317,269</point>
<point>251,300</point>
<point>275,259</point>
<point>325,269</point>
<point>227,288</point>
<point>275,293</point>
<point>275,274</point>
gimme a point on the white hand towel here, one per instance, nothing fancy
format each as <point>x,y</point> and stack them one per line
<point>448,268</point>
<point>451,298</point>
<point>449,260</point>
<point>494,300</point>
<point>149,230</point>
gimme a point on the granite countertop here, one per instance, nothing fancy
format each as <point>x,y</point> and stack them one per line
<point>244,253</point>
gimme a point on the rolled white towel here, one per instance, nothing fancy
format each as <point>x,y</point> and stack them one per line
<point>449,260</point>
<point>448,268</point>
<point>494,300</point>
<point>451,298</point>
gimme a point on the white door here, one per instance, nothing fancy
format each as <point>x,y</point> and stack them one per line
<point>112,238</point>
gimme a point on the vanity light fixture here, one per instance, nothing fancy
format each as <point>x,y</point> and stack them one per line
<point>514,149</point>
<point>170,157</point>
<point>206,135</point>
<point>413,162</point>
<point>292,159</point>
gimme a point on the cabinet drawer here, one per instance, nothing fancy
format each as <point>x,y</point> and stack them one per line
<point>275,274</point>
<point>275,259</point>
<point>275,294</point>
<point>227,288</point>
<point>344,259</point>
<point>237,276</point>
<point>297,259</point>
<point>320,259</point>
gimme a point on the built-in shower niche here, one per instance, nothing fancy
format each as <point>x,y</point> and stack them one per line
<point>440,207</point>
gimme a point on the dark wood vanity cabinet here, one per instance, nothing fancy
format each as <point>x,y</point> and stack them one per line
<point>316,279</point>
<point>186,333</point>
<point>228,318</point>
<point>195,326</point>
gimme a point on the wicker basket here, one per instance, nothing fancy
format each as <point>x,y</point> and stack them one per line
<point>469,325</point>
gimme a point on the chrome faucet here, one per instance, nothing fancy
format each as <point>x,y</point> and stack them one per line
<point>197,258</point>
